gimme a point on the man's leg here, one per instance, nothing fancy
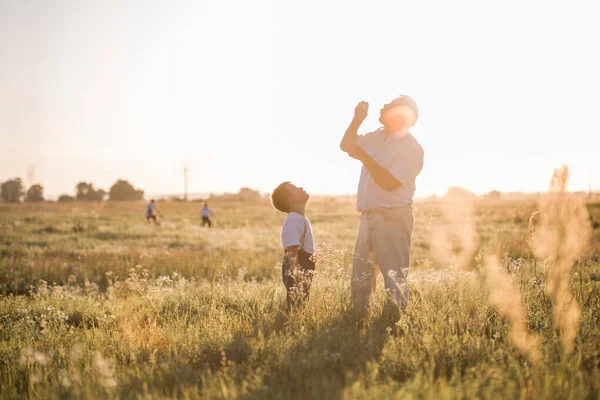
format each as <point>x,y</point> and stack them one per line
<point>362,269</point>
<point>391,237</point>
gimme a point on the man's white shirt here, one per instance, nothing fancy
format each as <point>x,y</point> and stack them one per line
<point>402,156</point>
<point>150,209</point>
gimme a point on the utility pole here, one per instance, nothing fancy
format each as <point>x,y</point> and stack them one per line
<point>185,182</point>
<point>30,175</point>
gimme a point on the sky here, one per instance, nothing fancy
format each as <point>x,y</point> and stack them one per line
<point>253,93</point>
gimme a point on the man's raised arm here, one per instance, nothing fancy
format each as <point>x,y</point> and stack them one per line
<point>381,175</point>
<point>360,113</point>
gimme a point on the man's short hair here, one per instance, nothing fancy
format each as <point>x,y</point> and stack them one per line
<point>406,101</point>
<point>279,198</point>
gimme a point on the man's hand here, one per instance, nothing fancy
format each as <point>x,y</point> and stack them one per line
<point>356,152</point>
<point>361,111</point>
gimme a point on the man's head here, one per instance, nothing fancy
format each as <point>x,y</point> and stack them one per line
<point>152,201</point>
<point>286,195</point>
<point>205,204</point>
<point>399,115</point>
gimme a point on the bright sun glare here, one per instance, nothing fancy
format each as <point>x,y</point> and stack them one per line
<point>98,91</point>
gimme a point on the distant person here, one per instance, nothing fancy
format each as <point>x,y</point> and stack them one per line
<point>151,211</point>
<point>206,213</point>
<point>391,158</point>
<point>297,240</point>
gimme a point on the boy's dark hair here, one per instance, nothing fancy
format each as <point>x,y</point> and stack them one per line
<point>279,198</point>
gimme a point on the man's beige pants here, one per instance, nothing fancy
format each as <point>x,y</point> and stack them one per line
<point>385,234</point>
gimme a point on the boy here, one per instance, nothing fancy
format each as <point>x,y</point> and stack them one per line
<point>150,208</point>
<point>206,216</point>
<point>297,239</point>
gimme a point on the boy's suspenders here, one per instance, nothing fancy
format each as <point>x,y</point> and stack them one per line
<point>303,234</point>
<point>304,258</point>
<point>305,266</point>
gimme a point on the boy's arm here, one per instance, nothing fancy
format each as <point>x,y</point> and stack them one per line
<point>360,113</point>
<point>292,253</point>
<point>383,178</point>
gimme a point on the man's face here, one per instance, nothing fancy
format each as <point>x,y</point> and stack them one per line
<point>297,194</point>
<point>396,118</point>
<point>392,118</point>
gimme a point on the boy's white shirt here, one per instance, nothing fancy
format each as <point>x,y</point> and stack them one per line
<point>293,229</point>
<point>150,208</point>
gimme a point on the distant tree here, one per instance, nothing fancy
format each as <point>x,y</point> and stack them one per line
<point>494,194</point>
<point>12,190</point>
<point>82,190</point>
<point>85,191</point>
<point>456,192</point>
<point>99,194</point>
<point>247,194</point>
<point>65,198</point>
<point>35,193</point>
<point>123,190</point>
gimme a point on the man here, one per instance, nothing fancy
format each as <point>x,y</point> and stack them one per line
<point>151,208</point>
<point>206,216</point>
<point>392,158</point>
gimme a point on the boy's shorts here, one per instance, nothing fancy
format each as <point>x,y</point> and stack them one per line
<point>297,280</point>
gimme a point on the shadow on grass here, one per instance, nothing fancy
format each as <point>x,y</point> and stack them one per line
<point>321,363</point>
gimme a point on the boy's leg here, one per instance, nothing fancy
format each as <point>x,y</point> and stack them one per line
<point>391,245</point>
<point>298,281</point>
<point>305,274</point>
<point>288,280</point>
<point>362,269</point>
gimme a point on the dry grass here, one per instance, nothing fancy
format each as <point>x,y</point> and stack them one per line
<point>561,238</point>
<point>506,295</point>
<point>97,304</point>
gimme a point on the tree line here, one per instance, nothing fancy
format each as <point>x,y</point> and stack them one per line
<point>14,191</point>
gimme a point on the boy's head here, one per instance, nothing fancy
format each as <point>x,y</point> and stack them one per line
<point>152,201</point>
<point>286,195</point>
<point>399,114</point>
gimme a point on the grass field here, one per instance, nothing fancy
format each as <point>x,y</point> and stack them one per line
<point>95,303</point>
